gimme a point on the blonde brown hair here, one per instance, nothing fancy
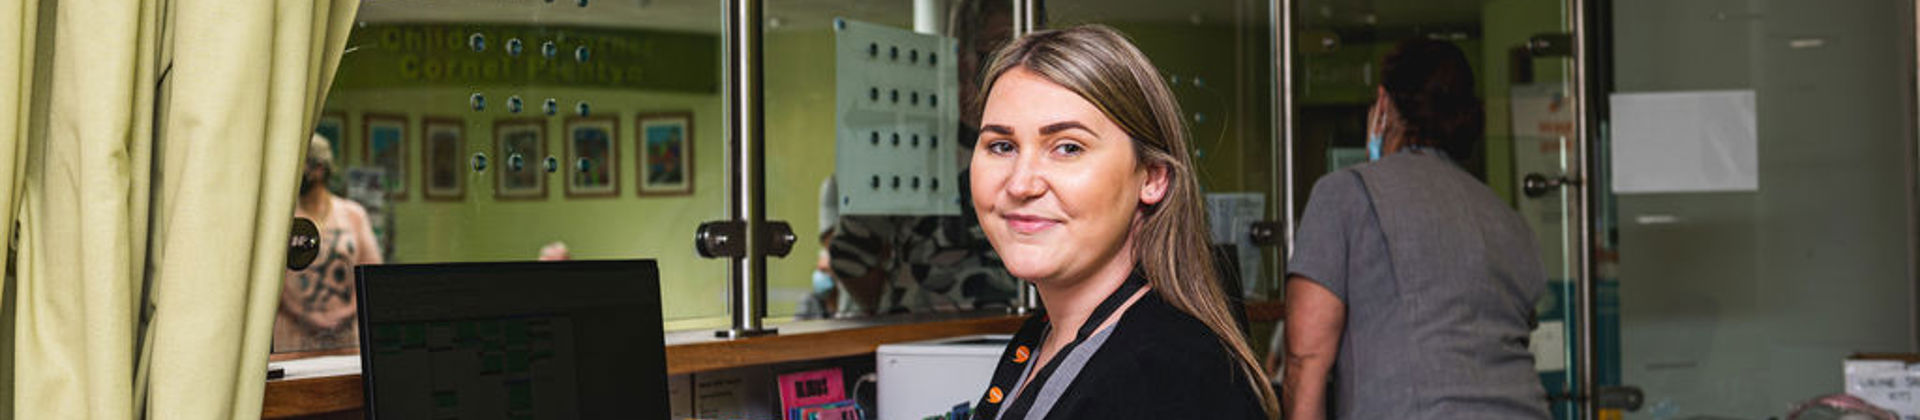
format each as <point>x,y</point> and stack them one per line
<point>1171,246</point>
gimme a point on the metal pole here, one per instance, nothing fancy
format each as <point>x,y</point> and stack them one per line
<point>1582,208</point>
<point>927,16</point>
<point>748,290</point>
<point>1282,15</point>
<point>1913,189</point>
<point>1026,17</point>
<point>1025,21</point>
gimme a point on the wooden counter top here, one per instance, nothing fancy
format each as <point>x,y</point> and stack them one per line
<point>699,351</point>
<point>695,351</point>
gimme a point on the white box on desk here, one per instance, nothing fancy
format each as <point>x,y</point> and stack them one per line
<point>928,378</point>
<point>1890,384</point>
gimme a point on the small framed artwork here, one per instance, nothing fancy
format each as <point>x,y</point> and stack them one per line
<point>333,126</point>
<point>519,149</point>
<point>444,142</point>
<point>386,148</point>
<point>666,153</point>
<point>592,166</point>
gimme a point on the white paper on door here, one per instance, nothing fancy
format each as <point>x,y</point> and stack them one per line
<point>1697,141</point>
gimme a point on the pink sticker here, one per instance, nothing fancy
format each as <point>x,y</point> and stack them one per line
<point>813,387</point>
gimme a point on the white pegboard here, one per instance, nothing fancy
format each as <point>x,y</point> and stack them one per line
<point>897,113</point>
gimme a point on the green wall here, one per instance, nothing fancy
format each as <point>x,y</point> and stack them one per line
<point>479,227</point>
<point>800,154</point>
<point>1505,24</point>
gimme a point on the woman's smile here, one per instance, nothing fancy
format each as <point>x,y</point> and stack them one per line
<point>1026,224</point>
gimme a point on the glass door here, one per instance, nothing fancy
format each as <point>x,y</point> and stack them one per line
<point>1762,173</point>
<point>1524,64</point>
<point>1216,57</point>
<point>1740,215</point>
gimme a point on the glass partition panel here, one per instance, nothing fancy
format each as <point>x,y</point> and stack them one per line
<point>866,144</point>
<point>1762,177</point>
<point>487,130</point>
<point>1217,56</point>
<point>1522,63</point>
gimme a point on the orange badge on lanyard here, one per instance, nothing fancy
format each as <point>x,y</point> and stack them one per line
<point>1020,354</point>
<point>993,395</point>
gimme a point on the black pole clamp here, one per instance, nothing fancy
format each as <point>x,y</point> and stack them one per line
<point>727,239</point>
<point>303,245</point>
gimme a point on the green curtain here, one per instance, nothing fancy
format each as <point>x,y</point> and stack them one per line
<point>156,200</point>
<point>16,74</point>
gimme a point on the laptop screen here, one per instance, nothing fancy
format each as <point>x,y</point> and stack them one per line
<point>523,340</point>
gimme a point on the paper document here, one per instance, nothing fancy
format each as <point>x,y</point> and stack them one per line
<point>1668,142</point>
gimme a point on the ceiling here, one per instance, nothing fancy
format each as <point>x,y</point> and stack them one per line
<point>705,15</point>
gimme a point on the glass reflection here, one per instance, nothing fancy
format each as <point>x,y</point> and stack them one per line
<point>1217,58</point>
<point>430,133</point>
<point>861,84</point>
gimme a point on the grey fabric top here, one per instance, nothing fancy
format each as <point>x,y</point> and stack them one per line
<point>1439,278</point>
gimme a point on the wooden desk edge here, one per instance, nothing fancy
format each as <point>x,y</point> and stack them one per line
<point>702,357</point>
<point>329,394</point>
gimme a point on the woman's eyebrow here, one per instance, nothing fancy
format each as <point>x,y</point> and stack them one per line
<point>997,129</point>
<point>1063,126</point>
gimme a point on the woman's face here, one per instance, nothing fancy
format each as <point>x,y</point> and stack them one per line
<point>1055,182</point>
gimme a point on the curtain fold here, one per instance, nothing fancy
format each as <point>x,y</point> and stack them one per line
<point>239,112</point>
<point>77,276</point>
<point>155,200</point>
<point>16,78</point>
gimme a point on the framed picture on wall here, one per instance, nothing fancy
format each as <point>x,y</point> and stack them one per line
<point>386,148</point>
<point>444,141</point>
<point>591,164</point>
<point>333,126</point>
<point>519,146</point>
<point>666,153</point>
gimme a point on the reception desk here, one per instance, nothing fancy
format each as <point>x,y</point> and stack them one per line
<point>338,395</point>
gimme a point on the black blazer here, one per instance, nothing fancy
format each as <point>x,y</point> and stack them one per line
<point>1159,363</point>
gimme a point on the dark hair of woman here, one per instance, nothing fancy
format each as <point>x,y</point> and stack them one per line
<point>1432,91</point>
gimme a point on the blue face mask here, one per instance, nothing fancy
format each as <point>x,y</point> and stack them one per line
<point>822,282</point>
<point>1374,143</point>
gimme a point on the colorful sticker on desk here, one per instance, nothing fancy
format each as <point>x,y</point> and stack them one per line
<point>841,410</point>
<point>813,387</point>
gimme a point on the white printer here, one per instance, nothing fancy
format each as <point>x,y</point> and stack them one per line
<point>928,379</point>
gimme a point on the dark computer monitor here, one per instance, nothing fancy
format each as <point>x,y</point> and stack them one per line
<point>521,340</point>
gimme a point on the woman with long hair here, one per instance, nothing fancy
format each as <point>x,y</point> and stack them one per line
<point>1083,181</point>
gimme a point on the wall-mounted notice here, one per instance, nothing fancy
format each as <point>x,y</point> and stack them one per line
<point>1669,142</point>
<point>897,95</point>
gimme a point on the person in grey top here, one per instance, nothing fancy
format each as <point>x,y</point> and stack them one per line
<point>1411,283</point>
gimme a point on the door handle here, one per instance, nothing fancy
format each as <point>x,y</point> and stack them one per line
<point>1619,397</point>
<point>1536,185</point>
<point>1627,398</point>
<point>1264,233</point>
